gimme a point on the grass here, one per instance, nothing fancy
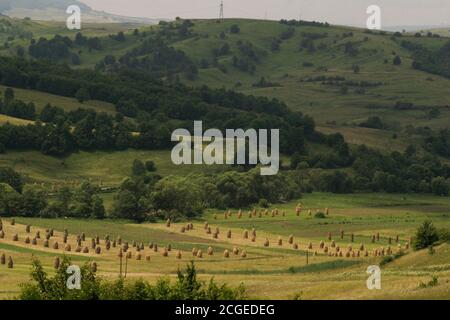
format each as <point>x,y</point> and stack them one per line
<point>276,272</point>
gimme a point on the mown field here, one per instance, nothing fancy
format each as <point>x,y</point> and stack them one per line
<point>276,271</point>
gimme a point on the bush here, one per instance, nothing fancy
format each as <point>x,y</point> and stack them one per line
<point>263,203</point>
<point>187,287</point>
<point>319,215</point>
<point>426,236</point>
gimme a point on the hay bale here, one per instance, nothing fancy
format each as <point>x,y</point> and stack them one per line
<point>65,238</point>
<point>16,237</point>
<point>38,235</point>
<point>134,243</point>
<point>125,247</point>
<point>83,237</point>
<point>94,267</point>
<point>107,237</point>
<point>119,240</point>
<point>10,263</point>
<point>51,232</point>
<point>210,251</point>
<point>120,254</point>
<point>147,258</point>
<point>194,251</point>
<point>217,230</point>
<point>27,240</point>
<point>229,234</point>
<point>34,241</point>
<point>78,249</point>
<point>342,234</point>
<point>366,253</point>
<point>325,249</point>
<point>239,215</point>
<point>13,221</point>
<point>291,239</point>
<point>253,238</point>
<point>129,255</point>
<point>68,248</point>
<point>178,255</point>
<point>155,247</point>
<point>169,247</point>
<point>226,254</point>
<point>397,238</point>
<point>150,245</point>
<point>3,259</point>
<point>338,249</point>
<point>352,237</point>
<point>47,236</point>
<point>350,248</point>
<point>327,211</point>
<point>208,230</point>
<point>329,236</point>
<point>361,247</point>
<point>114,244</point>
<point>2,234</point>
<point>215,216</point>
<point>56,246</point>
<point>86,250</point>
<point>321,244</point>
<point>373,238</point>
<point>168,223</point>
<point>235,251</point>
<point>280,241</point>
<point>107,245</point>
<point>378,236</point>
<point>245,234</point>
<point>215,235</point>
<point>93,243</point>
<point>56,263</point>
<point>295,246</point>
<point>138,256</point>
<point>310,246</point>
<point>199,254</point>
<point>254,232</point>
<point>243,254</point>
<point>390,240</point>
<point>98,250</point>
<point>46,244</point>
<point>266,243</point>
<point>28,228</point>
<point>206,225</point>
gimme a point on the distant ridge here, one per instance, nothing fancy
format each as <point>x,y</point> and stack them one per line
<point>55,10</point>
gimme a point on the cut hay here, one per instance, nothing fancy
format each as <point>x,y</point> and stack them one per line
<point>325,249</point>
<point>83,237</point>
<point>107,245</point>
<point>27,240</point>
<point>194,251</point>
<point>56,246</point>
<point>295,246</point>
<point>245,234</point>
<point>266,243</point>
<point>86,250</point>
<point>235,251</point>
<point>310,246</point>
<point>138,256</point>
<point>34,241</point>
<point>56,263</point>
<point>155,247</point>
<point>169,247</point>
<point>229,234</point>
<point>147,258</point>
<point>168,223</point>
<point>28,228</point>
<point>68,248</point>
<point>199,254</point>
<point>226,254</point>
<point>65,238</point>
<point>78,249</point>
<point>2,234</point>
<point>342,234</point>
<point>129,255</point>
<point>38,235</point>
<point>215,235</point>
<point>361,247</point>
<point>329,236</point>
<point>243,254</point>
<point>16,237</point>
<point>253,238</point>
<point>46,244</point>
<point>178,255</point>
<point>206,225</point>
<point>94,267</point>
<point>352,237</point>
<point>10,263</point>
<point>280,241</point>
<point>321,244</point>
<point>208,230</point>
<point>210,251</point>
<point>291,239</point>
<point>13,221</point>
<point>98,250</point>
<point>93,244</point>
<point>125,247</point>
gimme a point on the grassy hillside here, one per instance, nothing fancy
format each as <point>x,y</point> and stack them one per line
<point>277,271</point>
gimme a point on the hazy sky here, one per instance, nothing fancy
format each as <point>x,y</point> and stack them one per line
<point>347,12</point>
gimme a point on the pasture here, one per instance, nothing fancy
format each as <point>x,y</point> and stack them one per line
<point>277,270</point>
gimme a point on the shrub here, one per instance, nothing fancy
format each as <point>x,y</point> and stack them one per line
<point>426,236</point>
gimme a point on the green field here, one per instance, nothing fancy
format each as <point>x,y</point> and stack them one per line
<point>276,272</point>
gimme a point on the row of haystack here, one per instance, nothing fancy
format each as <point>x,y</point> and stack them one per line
<point>9,262</point>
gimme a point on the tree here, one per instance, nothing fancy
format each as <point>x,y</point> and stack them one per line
<point>12,178</point>
<point>440,186</point>
<point>138,168</point>
<point>397,60</point>
<point>82,95</point>
<point>235,29</point>
<point>426,236</point>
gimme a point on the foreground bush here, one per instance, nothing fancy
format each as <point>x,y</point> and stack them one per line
<point>187,287</point>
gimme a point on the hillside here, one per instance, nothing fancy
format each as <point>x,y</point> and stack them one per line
<point>55,10</point>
